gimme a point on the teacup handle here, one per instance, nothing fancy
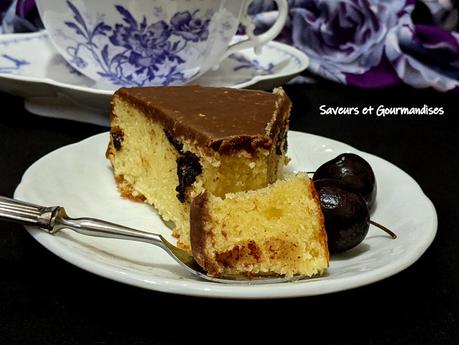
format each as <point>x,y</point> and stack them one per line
<point>257,41</point>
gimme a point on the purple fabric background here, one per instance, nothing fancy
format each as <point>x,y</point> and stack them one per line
<point>19,16</point>
<point>373,43</point>
<point>364,43</point>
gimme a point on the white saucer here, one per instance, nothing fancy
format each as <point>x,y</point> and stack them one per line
<point>79,178</point>
<point>30,67</point>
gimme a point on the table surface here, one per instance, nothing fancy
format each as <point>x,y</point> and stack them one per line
<point>44,300</point>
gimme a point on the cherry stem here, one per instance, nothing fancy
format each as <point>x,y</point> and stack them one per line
<point>383,228</point>
<point>310,172</point>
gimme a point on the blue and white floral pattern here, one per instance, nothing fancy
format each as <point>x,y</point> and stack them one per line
<point>243,69</point>
<point>251,64</point>
<point>137,53</point>
<point>9,64</point>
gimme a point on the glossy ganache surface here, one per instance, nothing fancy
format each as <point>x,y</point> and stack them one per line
<point>223,119</point>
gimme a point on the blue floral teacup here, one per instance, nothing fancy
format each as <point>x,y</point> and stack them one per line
<point>149,42</point>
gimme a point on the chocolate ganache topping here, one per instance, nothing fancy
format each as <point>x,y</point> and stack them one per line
<point>221,119</point>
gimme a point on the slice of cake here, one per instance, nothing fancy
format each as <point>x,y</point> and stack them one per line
<point>276,230</point>
<point>168,144</point>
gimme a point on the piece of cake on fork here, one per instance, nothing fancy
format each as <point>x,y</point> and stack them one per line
<point>169,144</point>
<point>276,230</point>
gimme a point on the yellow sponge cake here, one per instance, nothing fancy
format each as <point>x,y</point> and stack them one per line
<point>276,230</point>
<point>168,144</point>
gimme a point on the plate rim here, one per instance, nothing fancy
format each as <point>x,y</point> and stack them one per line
<point>198,288</point>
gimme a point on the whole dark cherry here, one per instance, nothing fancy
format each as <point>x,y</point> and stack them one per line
<point>345,213</point>
<point>354,172</point>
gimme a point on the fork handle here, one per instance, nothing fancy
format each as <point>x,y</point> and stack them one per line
<point>54,219</point>
<point>27,213</point>
<point>101,228</point>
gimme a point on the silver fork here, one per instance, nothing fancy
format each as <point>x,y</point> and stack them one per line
<point>54,219</point>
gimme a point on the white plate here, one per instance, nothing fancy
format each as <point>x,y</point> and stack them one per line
<point>31,68</point>
<point>79,178</point>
